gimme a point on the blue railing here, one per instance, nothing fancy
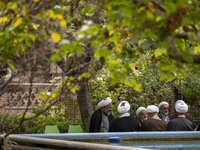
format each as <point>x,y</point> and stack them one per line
<point>178,134</point>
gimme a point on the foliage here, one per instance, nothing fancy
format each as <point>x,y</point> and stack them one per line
<point>133,29</point>
<point>153,92</point>
<point>153,89</point>
<point>37,125</point>
<point>160,37</point>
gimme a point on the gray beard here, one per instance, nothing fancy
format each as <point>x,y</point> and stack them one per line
<point>106,112</point>
<point>166,114</point>
<point>144,118</point>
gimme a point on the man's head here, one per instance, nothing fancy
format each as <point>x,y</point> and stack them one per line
<point>123,107</point>
<point>106,105</point>
<point>179,101</point>
<point>164,108</point>
<point>181,108</point>
<point>141,113</point>
<point>152,111</point>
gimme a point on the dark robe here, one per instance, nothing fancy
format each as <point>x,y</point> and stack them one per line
<point>180,124</point>
<point>125,124</point>
<point>154,125</point>
<point>198,129</point>
<point>140,122</point>
<point>95,121</point>
<point>187,116</point>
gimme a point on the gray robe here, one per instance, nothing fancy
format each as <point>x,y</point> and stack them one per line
<point>180,124</point>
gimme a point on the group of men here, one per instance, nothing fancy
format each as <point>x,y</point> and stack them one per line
<point>152,118</point>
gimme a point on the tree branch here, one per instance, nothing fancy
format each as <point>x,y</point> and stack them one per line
<point>173,53</point>
<point>182,35</point>
<point>29,118</point>
<point>6,83</point>
<point>72,10</point>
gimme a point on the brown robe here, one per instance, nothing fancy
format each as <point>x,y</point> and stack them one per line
<point>154,125</point>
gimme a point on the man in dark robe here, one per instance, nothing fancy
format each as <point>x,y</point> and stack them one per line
<point>180,123</point>
<point>154,123</point>
<point>125,122</point>
<point>198,128</point>
<point>102,118</point>
<point>187,116</point>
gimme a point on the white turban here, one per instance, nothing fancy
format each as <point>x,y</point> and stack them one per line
<point>181,107</point>
<point>139,110</point>
<point>163,103</point>
<point>104,102</point>
<point>123,107</point>
<point>152,109</point>
<point>179,101</point>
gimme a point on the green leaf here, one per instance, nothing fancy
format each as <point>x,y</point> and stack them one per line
<point>32,37</point>
<point>66,47</point>
<point>102,60</point>
<point>12,67</point>
<point>187,58</point>
<point>28,42</point>
<point>69,19</point>
<point>158,52</point>
<point>166,76</point>
<point>86,75</point>
<point>149,15</point>
<point>112,64</point>
<point>138,88</point>
<point>43,95</point>
<point>102,52</point>
<point>130,83</point>
<point>55,57</point>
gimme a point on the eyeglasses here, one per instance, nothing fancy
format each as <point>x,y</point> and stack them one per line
<point>165,108</point>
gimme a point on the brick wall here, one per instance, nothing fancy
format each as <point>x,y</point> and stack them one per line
<point>16,98</point>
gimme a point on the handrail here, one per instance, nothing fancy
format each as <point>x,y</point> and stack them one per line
<point>123,135</point>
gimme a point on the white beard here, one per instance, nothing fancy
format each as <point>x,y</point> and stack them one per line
<point>144,118</point>
<point>166,113</point>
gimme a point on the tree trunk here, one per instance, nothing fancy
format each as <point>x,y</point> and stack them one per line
<point>85,103</point>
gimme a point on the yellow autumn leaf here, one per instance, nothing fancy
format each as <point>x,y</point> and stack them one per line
<point>12,5</point>
<point>59,16</point>
<point>24,9</point>
<point>151,7</point>
<point>55,37</point>
<point>158,18</point>
<point>4,20</point>
<point>197,49</point>
<point>51,14</point>
<point>35,0</point>
<point>53,96</point>
<point>35,27</point>
<point>17,22</point>
<point>119,47</point>
<point>73,90</point>
<point>158,52</point>
<point>15,41</point>
<point>141,9</point>
<point>68,83</point>
<point>139,42</point>
<point>111,32</point>
<point>63,23</point>
<point>138,88</point>
<point>68,8</point>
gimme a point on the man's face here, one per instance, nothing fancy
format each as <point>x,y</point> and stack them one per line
<point>107,108</point>
<point>143,115</point>
<point>164,109</point>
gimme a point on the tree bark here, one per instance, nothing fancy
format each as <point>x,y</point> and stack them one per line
<point>85,103</point>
